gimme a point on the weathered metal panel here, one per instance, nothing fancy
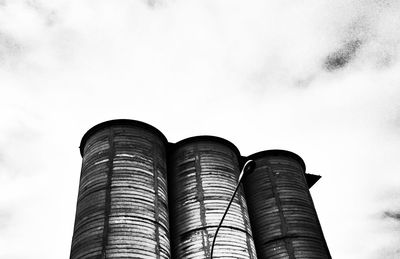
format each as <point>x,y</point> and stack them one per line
<point>122,209</point>
<point>203,176</point>
<point>284,220</point>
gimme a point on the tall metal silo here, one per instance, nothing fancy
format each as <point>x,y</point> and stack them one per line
<point>203,173</point>
<point>285,223</point>
<point>122,208</point>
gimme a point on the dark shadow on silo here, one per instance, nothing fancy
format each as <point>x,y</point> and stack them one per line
<point>284,221</point>
<point>203,173</point>
<point>122,208</point>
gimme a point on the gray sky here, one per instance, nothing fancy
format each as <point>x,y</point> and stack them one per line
<point>318,78</point>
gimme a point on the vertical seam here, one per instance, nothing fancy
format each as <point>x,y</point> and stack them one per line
<point>199,186</point>
<point>156,206</point>
<point>283,225</point>
<point>106,226</point>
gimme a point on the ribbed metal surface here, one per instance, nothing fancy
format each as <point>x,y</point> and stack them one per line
<point>122,209</point>
<point>284,220</point>
<point>203,176</point>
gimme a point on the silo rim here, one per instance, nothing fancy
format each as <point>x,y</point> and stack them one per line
<point>207,138</point>
<point>119,122</point>
<point>279,152</point>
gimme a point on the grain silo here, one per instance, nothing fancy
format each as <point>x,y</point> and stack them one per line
<point>123,212</point>
<point>122,208</point>
<point>282,213</point>
<point>203,174</point>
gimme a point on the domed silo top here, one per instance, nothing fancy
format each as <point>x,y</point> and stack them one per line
<point>118,122</point>
<point>206,138</point>
<point>279,152</point>
<point>310,178</point>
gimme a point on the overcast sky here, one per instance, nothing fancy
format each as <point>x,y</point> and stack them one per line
<point>320,78</point>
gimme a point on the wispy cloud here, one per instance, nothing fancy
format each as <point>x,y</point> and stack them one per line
<point>343,56</point>
<point>392,215</point>
<point>319,78</point>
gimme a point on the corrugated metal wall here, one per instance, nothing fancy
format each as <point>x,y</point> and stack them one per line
<point>122,209</point>
<point>203,177</point>
<point>282,213</point>
<point>123,212</point>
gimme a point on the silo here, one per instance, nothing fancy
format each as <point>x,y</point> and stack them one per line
<point>122,208</point>
<point>282,213</point>
<point>203,173</point>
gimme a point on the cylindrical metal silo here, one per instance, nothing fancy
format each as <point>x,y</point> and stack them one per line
<point>282,213</point>
<point>203,173</point>
<point>122,208</point>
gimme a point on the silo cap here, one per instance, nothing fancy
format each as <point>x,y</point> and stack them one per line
<point>279,152</point>
<point>310,178</point>
<point>119,122</point>
<point>206,138</point>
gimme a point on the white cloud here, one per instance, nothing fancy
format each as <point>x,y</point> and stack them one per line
<point>252,72</point>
